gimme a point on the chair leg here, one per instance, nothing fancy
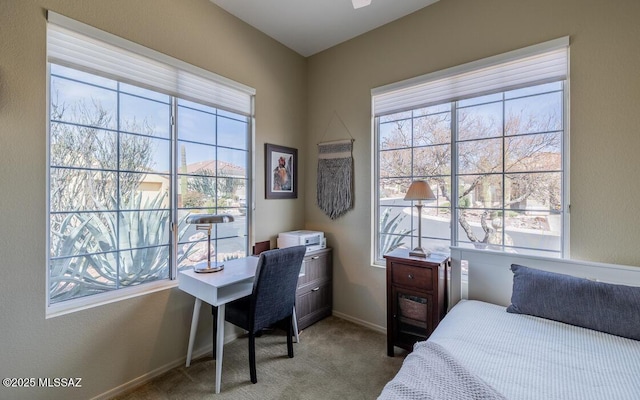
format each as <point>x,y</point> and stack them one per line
<point>290,338</point>
<point>252,357</point>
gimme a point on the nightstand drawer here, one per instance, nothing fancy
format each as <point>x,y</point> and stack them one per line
<point>408,275</point>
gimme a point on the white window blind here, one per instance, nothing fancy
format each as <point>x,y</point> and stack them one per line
<point>541,63</point>
<point>76,45</point>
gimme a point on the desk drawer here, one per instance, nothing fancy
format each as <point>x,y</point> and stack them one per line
<point>408,275</point>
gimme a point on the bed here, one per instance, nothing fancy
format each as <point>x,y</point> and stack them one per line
<point>529,328</point>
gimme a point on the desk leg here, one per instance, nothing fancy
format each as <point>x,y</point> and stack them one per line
<point>214,312</point>
<point>219,345</point>
<point>194,328</point>
<point>295,325</point>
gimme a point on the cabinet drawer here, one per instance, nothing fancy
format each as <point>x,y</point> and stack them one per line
<point>316,268</point>
<point>408,275</point>
<point>313,304</point>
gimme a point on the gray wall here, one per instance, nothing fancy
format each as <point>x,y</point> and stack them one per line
<point>605,118</point>
<point>113,344</point>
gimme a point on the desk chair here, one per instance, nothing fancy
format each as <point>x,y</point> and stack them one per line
<point>272,300</point>
<point>258,248</point>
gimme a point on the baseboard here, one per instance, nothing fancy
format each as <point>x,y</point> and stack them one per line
<point>141,380</point>
<point>358,321</point>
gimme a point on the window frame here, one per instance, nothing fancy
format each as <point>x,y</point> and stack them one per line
<point>385,96</point>
<point>214,81</point>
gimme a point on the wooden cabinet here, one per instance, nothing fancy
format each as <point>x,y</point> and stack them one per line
<point>416,297</point>
<point>314,296</point>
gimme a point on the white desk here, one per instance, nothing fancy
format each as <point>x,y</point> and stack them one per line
<point>217,288</point>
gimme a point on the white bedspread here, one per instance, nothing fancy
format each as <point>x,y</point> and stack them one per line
<point>430,373</point>
<point>526,357</point>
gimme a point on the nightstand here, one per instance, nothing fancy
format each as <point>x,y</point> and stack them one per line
<point>416,297</point>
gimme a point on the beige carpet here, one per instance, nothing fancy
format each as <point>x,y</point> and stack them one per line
<point>335,359</point>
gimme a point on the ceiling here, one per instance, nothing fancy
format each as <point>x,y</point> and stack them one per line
<point>310,26</point>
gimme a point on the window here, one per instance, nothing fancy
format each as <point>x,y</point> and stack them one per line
<point>490,138</point>
<point>131,155</point>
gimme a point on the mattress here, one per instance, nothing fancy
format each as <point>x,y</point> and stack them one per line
<point>525,357</point>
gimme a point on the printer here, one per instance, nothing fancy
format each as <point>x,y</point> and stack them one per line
<point>314,240</point>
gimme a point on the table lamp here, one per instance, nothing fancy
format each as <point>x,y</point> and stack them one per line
<point>419,190</point>
<point>204,222</point>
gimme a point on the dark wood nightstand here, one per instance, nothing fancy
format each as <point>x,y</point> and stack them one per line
<point>416,297</point>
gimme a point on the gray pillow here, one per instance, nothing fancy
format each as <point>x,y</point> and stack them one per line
<point>577,301</point>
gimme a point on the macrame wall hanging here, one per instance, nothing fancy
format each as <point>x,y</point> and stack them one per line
<point>335,174</point>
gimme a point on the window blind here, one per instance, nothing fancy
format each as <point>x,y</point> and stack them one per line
<point>537,64</point>
<point>76,45</point>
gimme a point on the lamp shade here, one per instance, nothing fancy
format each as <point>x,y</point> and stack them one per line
<point>209,218</point>
<point>419,190</point>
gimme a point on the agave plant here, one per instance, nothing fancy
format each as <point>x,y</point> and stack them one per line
<point>92,254</point>
<point>390,238</point>
<point>76,276</point>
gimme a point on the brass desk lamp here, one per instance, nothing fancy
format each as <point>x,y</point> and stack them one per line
<point>205,222</point>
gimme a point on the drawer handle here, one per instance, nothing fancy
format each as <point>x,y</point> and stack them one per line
<point>315,289</point>
<point>315,257</point>
<point>410,276</point>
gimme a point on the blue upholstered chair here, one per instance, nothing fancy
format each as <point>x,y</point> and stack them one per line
<point>271,303</point>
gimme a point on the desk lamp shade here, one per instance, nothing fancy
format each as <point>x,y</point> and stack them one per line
<point>204,222</point>
<point>419,190</point>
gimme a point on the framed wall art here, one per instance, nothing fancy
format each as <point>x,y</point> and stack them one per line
<point>281,170</point>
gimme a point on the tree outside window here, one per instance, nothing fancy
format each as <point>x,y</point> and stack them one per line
<point>508,172</point>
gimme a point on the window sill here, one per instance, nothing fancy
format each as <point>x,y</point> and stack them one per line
<point>84,303</point>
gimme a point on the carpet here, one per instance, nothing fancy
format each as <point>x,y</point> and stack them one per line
<point>335,359</point>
